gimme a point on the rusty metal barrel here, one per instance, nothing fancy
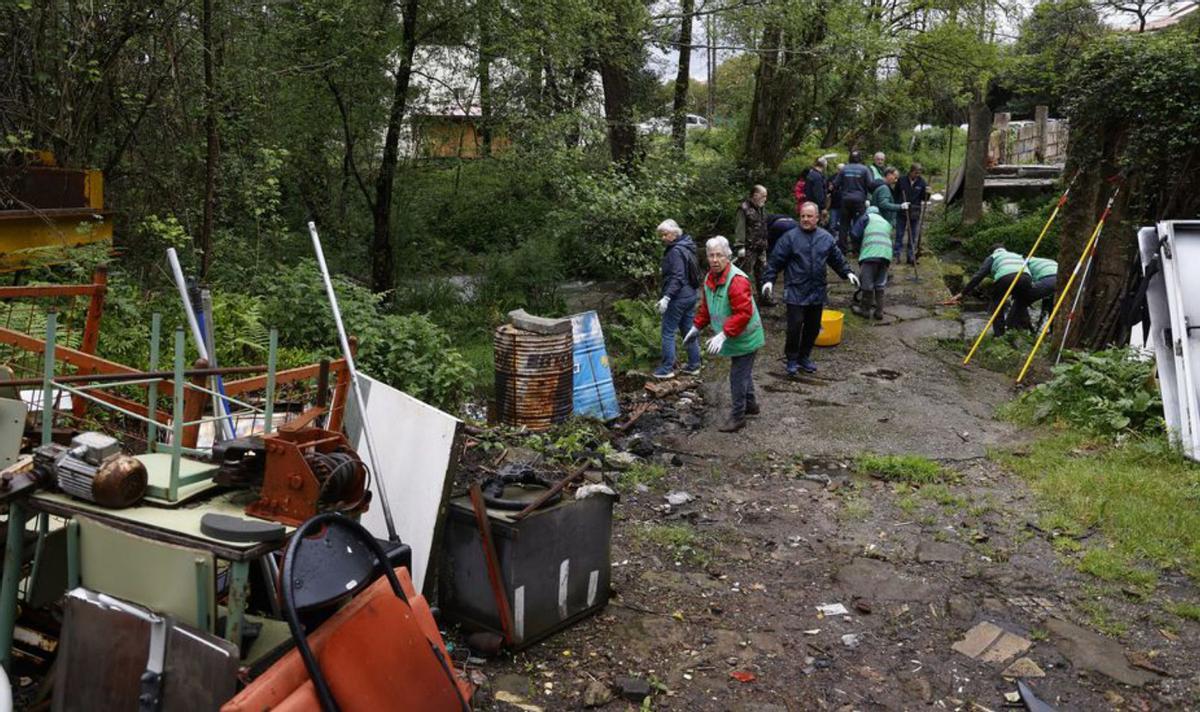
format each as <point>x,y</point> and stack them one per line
<point>534,377</point>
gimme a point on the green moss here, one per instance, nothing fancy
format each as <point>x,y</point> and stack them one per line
<point>913,469</point>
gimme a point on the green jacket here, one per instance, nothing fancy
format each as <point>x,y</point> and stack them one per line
<point>882,198</point>
<point>1041,268</point>
<point>877,237</point>
<point>752,337</point>
<point>1005,263</point>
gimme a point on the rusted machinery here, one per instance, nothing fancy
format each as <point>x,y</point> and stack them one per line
<point>45,210</point>
<point>307,470</point>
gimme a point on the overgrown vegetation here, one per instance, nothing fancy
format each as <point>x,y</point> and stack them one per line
<point>1106,392</point>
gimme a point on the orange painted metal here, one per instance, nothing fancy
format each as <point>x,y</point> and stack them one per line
<point>377,653</point>
<point>291,491</point>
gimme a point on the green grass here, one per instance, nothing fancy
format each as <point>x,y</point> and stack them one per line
<point>855,509</point>
<point>1107,565</point>
<point>1184,609</point>
<point>641,473</point>
<point>681,539</point>
<point>1101,617</point>
<point>942,495</point>
<point>1140,494</point>
<point>913,469</point>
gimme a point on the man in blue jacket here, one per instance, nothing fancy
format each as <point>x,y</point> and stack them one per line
<point>854,184</point>
<point>913,190</point>
<point>815,187</point>
<point>804,252</point>
<point>680,278</point>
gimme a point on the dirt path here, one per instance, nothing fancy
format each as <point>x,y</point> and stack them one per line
<point>780,524</point>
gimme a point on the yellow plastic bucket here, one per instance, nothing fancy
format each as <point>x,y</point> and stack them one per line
<point>831,327</point>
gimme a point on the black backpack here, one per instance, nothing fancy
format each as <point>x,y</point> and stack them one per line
<point>692,268</point>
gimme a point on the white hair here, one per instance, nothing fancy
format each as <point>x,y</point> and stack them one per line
<point>718,243</point>
<point>670,226</point>
<point>880,155</point>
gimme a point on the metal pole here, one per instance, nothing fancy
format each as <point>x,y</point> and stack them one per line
<point>12,576</point>
<point>155,339</point>
<point>177,418</point>
<point>1087,270</point>
<point>193,325</point>
<point>357,390</point>
<point>48,373</point>
<point>220,405</point>
<point>269,411</point>
<point>1087,248</point>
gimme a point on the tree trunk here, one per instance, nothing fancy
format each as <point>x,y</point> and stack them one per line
<point>212,148</point>
<point>682,77</point>
<point>765,132</point>
<point>979,126</point>
<point>486,18</point>
<point>383,274</point>
<point>618,111</point>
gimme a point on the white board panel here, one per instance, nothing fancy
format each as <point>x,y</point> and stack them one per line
<point>1160,333</point>
<point>415,444</point>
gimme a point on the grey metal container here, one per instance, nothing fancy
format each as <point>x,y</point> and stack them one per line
<point>555,564</point>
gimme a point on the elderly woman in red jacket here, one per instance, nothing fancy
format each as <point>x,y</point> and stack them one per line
<point>728,305</point>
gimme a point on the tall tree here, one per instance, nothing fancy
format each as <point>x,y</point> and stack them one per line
<point>383,258</point>
<point>212,145</point>
<point>682,76</point>
<point>620,55</point>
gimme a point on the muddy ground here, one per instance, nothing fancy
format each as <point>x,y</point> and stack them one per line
<point>727,586</point>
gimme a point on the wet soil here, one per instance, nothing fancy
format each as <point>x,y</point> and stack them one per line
<point>781,524</point>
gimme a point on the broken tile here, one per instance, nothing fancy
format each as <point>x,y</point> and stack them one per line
<point>1023,667</point>
<point>991,643</point>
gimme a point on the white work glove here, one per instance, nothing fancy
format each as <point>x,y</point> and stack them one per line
<point>742,252</point>
<point>692,333</point>
<point>768,289</point>
<point>904,206</point>
<point>716,342</point>
<point>662,305</point>
<point>853,279</point>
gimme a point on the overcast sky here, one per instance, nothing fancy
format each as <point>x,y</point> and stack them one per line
<point>665,64</point>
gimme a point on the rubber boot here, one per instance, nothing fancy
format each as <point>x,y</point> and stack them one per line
<point>863,308</point>
<point>878,304</point>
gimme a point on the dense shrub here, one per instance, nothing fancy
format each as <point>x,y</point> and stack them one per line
<point>634,334</point>
<point>1105,392</point>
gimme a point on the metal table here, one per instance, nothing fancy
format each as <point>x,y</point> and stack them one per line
<point>179,526</point>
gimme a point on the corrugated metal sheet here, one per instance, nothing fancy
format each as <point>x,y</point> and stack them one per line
<point>534,377</point>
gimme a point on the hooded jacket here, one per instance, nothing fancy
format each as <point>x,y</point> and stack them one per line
<point>805,256</point>
<point>675,268</point>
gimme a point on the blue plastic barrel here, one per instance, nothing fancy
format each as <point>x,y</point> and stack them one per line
<point>595,395</point>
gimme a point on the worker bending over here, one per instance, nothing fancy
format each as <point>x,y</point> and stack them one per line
<point>1004,267</point>
<point>1044,274</point>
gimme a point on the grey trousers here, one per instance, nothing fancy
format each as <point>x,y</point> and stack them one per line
<point>872,274</point>
<point>741,383</point>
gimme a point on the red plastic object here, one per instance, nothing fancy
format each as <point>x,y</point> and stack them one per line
<point>377,654</point>
<point>743,676</point>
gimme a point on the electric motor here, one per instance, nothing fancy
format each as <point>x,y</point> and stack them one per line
<point>93,469</point>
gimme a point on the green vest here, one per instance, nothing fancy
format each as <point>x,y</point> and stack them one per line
<point>752,338</point>
<point>1041,268</point>
<point>1005,263</point>
<point>877,239</point>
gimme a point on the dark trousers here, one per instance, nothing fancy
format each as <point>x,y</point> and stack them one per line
<point>1044,289</point>
<point>741,384</point>
<point>851,209</point>
<point>907,224</point>
<point>754,263</point>
<point>803,325</point>
<point>1018,311</point>
<point>872,273</point>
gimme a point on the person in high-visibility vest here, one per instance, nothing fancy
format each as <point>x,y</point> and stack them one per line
<point>1004,267</point>
<point>873,263</point>
<point>1044,273</point>
<point>728,304</point>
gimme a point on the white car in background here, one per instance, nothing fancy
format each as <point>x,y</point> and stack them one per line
<point>661,125</point>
